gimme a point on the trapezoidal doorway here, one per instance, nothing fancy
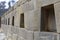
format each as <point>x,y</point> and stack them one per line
<point>22,20</point>
<point>48,18</point>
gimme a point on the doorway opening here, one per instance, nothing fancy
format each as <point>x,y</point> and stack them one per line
<point>13,21</point>
<point>22,20</point>
<point>48,19</point>
<point>8,21</point>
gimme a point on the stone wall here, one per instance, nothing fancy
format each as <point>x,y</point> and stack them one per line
<point>32,14</point>
<point>32,18</point>
<point>47,2</point>
<point>16,33</point>
<point>57,15</point>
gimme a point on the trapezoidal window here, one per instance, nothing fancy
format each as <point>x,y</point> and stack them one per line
<point>48,18</point>
<point>8,21</point>
<point>22,20</point>
<point>13,21</point>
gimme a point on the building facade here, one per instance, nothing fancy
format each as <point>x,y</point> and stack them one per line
<point>32,20</point>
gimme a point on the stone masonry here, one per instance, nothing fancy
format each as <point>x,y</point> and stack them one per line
<point>30,12</point>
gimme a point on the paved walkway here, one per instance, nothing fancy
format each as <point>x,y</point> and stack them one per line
<point>2,35</point>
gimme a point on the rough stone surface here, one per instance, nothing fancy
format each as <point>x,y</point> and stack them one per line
<point>32,19</point>
<point>57,15</point>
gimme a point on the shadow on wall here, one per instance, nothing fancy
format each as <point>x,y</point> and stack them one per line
<point>0,22</point>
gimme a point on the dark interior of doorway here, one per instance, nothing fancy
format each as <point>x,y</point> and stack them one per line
<point>13,21</point>
<point>48,23</point>
<point>22,20</point>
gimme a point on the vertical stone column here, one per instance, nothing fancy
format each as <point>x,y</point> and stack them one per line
<point>57,16</point>
<point>37,15</point>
